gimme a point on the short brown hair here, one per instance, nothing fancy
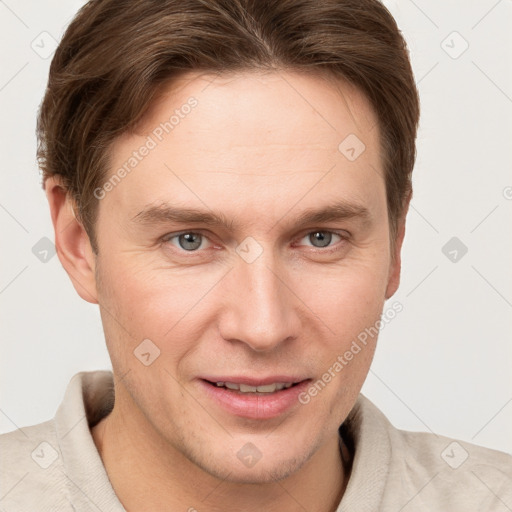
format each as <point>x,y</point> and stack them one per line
<point>117,54</point>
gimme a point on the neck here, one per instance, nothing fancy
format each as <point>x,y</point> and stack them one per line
<point>148,473</point>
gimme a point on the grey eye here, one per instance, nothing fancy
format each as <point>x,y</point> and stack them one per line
<point>320,238</point>
<point>190,241</point>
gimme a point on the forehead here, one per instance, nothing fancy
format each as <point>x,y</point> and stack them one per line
<point>256,106</point>
<point>251,137</point>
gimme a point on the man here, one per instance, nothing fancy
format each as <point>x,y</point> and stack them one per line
<point>228,181</point>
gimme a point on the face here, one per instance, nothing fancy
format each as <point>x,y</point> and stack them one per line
<point>249,252</point>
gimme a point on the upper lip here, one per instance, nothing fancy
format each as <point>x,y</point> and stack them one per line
<point>255,381</point>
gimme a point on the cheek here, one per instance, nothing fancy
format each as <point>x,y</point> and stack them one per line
<point>351,294</point>
<point>348,303</point>
<point>153,303</point>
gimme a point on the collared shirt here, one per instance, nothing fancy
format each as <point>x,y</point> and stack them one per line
<point>55,465</point>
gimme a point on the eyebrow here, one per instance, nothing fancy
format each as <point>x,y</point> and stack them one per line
<point>165,213</point>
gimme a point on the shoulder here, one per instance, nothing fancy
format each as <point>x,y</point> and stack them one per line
<point>55,465</point>
<point>417,471</point>
<point>452,474</point>
<point>28,448</point>
<point>31,470</point>
<point>22,437</point>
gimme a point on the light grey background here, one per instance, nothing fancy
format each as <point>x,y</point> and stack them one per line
<point>443,364</point>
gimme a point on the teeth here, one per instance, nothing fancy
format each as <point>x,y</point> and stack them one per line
<point>244,388</point>
<point>247,389</point>
<point>269,388</point>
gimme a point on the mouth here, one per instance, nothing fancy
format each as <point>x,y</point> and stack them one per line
<point>264,389</point>
<point>254,398</point>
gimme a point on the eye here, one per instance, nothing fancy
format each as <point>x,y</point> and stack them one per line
<point>322,239</point>
<point>189,241</point>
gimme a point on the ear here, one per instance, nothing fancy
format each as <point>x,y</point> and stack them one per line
<point>71,240</point>
<point>396,258</point>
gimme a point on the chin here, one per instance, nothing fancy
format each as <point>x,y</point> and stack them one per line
<point>267,469</point>
<point>268,473</point>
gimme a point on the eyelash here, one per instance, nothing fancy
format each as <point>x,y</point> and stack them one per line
<point>344,236</point>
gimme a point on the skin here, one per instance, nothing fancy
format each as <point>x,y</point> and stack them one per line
<point>260,149</point>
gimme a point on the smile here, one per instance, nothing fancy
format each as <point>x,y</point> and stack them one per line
<point>258,399</point>
<point>245,388</point>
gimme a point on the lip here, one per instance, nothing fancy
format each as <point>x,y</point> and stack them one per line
<point>255,381</point>
<point>252,406</point>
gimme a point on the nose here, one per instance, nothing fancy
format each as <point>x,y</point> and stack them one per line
<point>260,306</point>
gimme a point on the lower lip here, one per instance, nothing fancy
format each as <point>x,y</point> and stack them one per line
<point>255,406</point>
